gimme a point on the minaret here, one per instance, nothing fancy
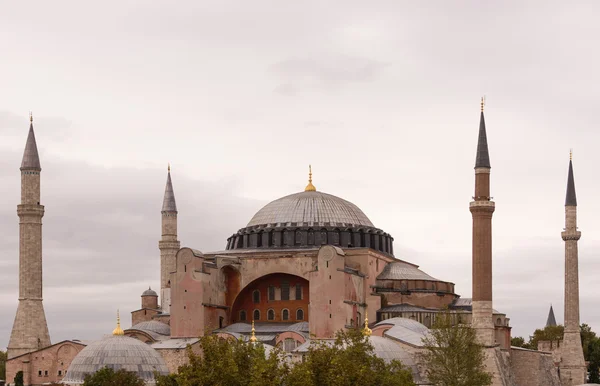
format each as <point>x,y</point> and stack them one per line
<point>30,330</point>
<point>572,366</point>
<point>168,245</point>
<point>482,209</point>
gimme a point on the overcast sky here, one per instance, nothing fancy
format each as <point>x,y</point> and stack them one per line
<point>381,97</point>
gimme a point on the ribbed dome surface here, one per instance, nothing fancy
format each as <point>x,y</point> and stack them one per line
<point>116,352</point>
<point>154,326</point>
<point>311,208</point>
<point>149,292</point>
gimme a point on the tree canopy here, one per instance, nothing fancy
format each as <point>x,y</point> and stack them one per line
<point>109,377</point>
<point>2,365</point>
<point>347,360</point>
<point>453,356</point>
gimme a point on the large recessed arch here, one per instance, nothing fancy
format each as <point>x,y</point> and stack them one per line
<point>285,288</point>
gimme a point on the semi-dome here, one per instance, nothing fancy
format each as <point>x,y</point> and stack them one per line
<point>310,208</point>
<point>154,326</point>
<point>116,352</point>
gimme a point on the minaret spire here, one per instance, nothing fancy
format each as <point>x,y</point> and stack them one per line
<point>30,330</point>
<point>168,244</point>
<point>310,187</point>
<point>482,160</point>
<point>482,208</point>
<point>551,321</point>
<point>572,366</point>
<point>31,158</point>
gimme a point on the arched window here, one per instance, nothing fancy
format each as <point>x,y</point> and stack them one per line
<point>242,316</point>
<point>256,315</point>
<point>498,322</point>
<point>285,314</point>
<point>271,314</point>
<point>299,314</point>
<point>289,344</point>
<point>256,296</point>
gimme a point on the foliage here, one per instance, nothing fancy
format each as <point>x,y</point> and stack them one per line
<point>348,360</point>
<point>2,365</point>
<point>588,337</point>
<point>594,366</point>
<point>18,379</point>
<point>109,377</point>
<point>165,380</point>
<point>519,341</point>
<point>452,355</point>
<point>546,333</point>
<point>230,362</point>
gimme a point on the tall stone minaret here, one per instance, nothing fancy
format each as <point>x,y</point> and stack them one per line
<point>572,366</point>
<point>168,245</point>
<point>482,209</point>
<point>30,330</point>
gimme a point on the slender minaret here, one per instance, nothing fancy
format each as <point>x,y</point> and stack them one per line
<point>30,330</point>
<point>482,209</point>
<point>168,245</point>
<point>572,366</point>
<point>551,321</point>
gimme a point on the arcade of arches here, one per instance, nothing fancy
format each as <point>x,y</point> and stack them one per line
<point>277,297</point>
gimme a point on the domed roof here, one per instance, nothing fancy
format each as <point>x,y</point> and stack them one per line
<point>154,326</point>
<point>310,208</point>
<point>149,292</point>
<point>116,352</point>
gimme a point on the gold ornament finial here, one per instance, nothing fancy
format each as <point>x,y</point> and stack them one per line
<point>482,103</point>
<point>570,154</point>
<point>253,337</point>
<point>366,330</point>
<point>118,330</point>
<point>169,167</point>
<point>30,117</point>
<point>310,187</point>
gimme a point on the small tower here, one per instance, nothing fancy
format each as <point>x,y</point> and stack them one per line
<point>482,208</point>
<point>551,321</point>
<point>30,330</point>
<point>168,245</point>
<point>572,366</point>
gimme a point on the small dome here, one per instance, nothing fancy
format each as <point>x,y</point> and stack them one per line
<point>154,326</point>
<point>116,352</point>
<point>149,292</point>
<point>311,207</point>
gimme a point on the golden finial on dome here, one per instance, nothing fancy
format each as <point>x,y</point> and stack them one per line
<point>118,330</point>
<point>482,103</point>
<point>169,167</point>
<point>30,117</point>
<point>310,187</point>
<point>253,337</point>
<point>571,155</point>
<point>367,331</point>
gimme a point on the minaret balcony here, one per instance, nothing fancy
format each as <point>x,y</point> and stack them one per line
<point>570,235</point>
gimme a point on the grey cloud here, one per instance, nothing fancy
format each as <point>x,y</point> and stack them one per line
<point>325,71</point>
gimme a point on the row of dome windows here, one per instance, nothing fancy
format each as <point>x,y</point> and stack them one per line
<point>285,293</point>
<point>285,315</point>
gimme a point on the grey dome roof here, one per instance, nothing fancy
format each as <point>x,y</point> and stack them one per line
<point>149,292</point>
<point>403,271</point>
<point>311,208</point>
<point>116,352</point>
<point>154,326</point>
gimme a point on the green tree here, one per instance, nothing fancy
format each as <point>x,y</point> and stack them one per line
<point>2,365</point>
<point>18,378</point>
<point>594,358</point>
<point>232,363</point>
<point>588,338</point>
<point>109,377</point>
<point>546,333</point>
<point>519,341</point>
<point>347,360</point>
<point>452,355</point>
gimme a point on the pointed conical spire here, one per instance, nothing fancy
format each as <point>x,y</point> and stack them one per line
<point>169,204</point>
<point>31,158</point>
<point>571,199</point>
<point>483,157</point>
<point>551,319</point>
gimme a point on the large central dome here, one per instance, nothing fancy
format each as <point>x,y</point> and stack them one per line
<point>310,208</point>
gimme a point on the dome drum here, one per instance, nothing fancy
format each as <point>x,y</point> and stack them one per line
<point>304,236</point>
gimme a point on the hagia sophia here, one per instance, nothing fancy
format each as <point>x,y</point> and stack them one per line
<point>304,267</point>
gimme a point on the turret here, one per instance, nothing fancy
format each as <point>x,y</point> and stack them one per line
<point>168,245</point>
